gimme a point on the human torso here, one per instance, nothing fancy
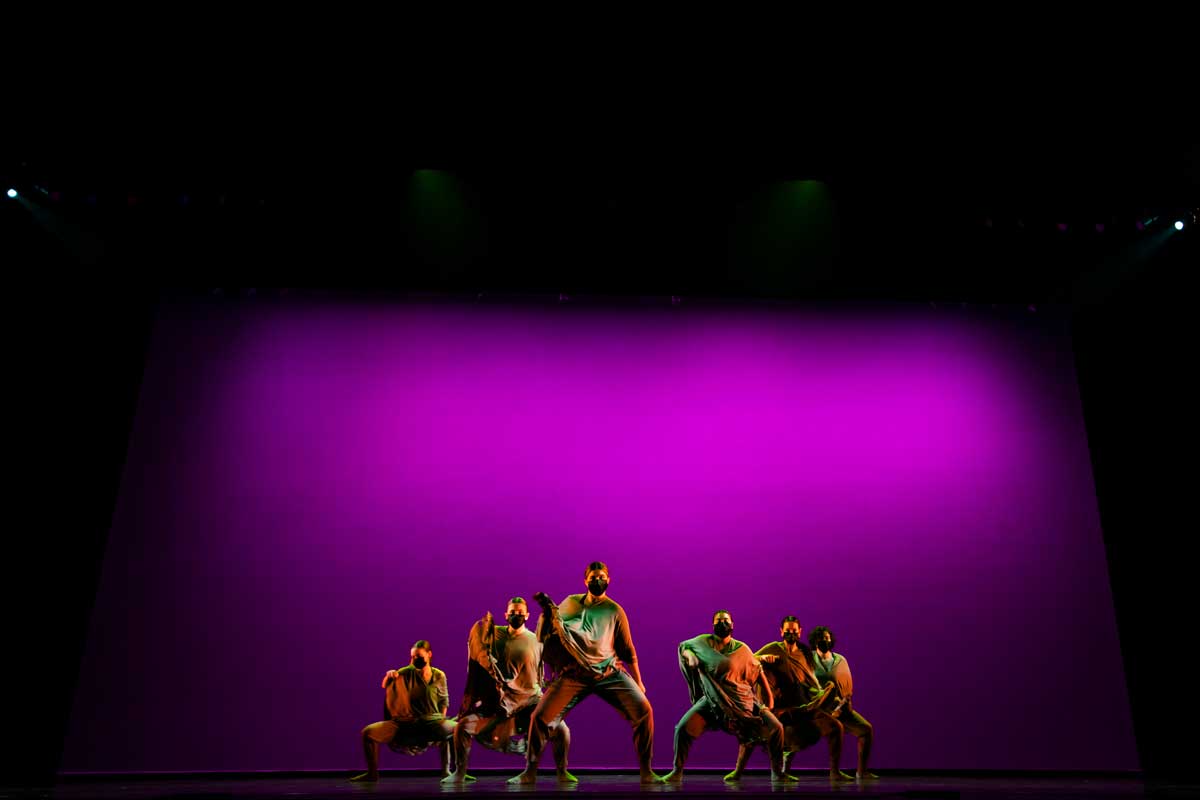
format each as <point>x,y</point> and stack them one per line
<point>592,627</point>
<point>737,672</point>
<point>518,660</point>
<point>832,667</point>
<point>791,674</point>
<point>411,696</point>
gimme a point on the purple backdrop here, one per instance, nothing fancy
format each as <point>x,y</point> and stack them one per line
<point>311,488</point>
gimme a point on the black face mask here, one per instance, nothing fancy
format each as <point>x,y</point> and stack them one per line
<point>419,662</point>
<point>790,637</point>
<point>515,620</point>
<point>597,587</point>
<point>824,647</point>
<point>722,629</point>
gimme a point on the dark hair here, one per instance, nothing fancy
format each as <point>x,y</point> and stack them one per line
<point>422,644</point>
<point>818,633</point>
<point>719,612</point>
<point>787,619</point>
<point>516,600</point>
<point>595,565</point>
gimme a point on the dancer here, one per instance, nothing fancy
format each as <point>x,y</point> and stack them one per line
<point>587,642</point>
<point>504,685</point>
<point>830,666</point>
<point>415,713</point>
<point>798,698</point>
<point>722,673</point>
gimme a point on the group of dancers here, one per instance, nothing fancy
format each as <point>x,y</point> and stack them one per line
<point>786,696</point>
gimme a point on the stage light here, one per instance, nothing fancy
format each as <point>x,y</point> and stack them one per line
<point>1178,224</point>
<point>12,193</point>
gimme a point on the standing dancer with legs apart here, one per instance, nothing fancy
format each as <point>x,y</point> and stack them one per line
<point>587,641</point>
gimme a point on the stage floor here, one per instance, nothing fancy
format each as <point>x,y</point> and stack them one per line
<point>318,787</point>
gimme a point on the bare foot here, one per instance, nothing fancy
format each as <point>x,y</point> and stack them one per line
<point>366,777</point>
<point>527,777</point>
<point>733,777</point>
<point>867,776</point>
<point>783,777</point>
<point>457,777</point>
<point>566,777</point>
<point>650,777</point>
<point>837,776</point>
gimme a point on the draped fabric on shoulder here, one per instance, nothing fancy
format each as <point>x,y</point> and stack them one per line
<point>791,678</point>
<point>503,686</point>
<point>408,697</point>
<point>559,648</point>
<point>416,709</point>
<point>736,713</point>
<point>481,692</point>
<point>794,685</point>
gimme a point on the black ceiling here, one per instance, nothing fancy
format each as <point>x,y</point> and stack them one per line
<point>913,218</point>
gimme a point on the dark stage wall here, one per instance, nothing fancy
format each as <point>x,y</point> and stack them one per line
<point>310,488</point>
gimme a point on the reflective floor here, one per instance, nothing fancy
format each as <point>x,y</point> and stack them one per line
<point>608,784</point>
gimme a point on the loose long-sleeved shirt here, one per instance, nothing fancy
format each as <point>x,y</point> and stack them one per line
<point>599,632</point>
<point>791,676</point>
<point>409,697</point>
<point>518,660</point>
<point>731,667</point>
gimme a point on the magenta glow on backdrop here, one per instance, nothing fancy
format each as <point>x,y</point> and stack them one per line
<point>311,488</point>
